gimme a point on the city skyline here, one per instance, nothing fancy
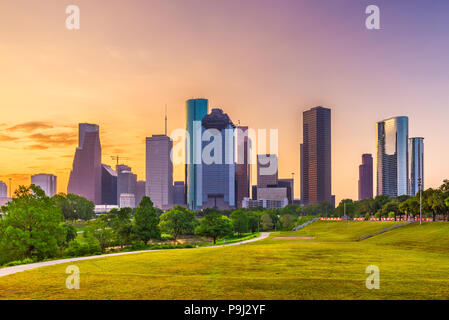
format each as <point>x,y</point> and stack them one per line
<point>110,76</point>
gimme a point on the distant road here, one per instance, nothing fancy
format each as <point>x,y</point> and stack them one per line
<point>11,270</point>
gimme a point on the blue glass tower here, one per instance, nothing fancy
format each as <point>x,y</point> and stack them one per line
<point>392,157</point>
<point>196,109</point>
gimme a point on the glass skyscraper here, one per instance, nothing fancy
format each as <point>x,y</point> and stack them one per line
<point>196,109</point>
<point>416,164</point>
<point>392,157</point>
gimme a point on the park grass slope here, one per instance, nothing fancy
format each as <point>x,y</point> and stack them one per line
<point>413,262</point>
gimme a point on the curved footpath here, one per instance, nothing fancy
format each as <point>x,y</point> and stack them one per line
<point>24,267</point>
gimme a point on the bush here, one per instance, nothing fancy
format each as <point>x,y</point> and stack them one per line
<point>79,249</point>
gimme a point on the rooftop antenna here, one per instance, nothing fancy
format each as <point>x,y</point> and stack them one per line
<point>165,119</point>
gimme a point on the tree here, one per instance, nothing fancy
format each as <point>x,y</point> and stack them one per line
<point>146,221</point>
<point>350,208</point>
<point>240,220</point>
<point>70,234</point>
<point>255,219</point>
<point>214,225</point>
<point>74,207</point>
<point>267,222</point>
<point>177,221</point>
<point>409,207</point>
<point>101,230</point>
<point>31,226</point>
<point>390,207</point>
<point>122,225</point>
<point>288,221</point>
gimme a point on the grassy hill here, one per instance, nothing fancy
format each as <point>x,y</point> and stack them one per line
<point>413,262</point>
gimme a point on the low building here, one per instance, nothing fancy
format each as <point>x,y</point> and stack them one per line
<point>104,208</point>
<point>127,200</point>
<point>46,182</point>
<point>264,203</point>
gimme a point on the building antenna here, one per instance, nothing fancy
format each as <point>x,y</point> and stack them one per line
<point>165,119</point>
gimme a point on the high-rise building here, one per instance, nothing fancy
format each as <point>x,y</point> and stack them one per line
<point>217,174</point>
<point>316,184</point>
<point>179,191</point>
<point>140,191</point>
<point>127,200</point>
<point>3,190</point>
<point>288,184</point>
<point>366,177</point>
<point>108,185</point>
<point>46,182</point>
<point>196,109</point>
<point>243,165</point>
<point>392,157</point>
<point>126,182</point>
<point>416,163</point>
<point>85,177</point>
<point>267,170</point>
<point>159,171</point>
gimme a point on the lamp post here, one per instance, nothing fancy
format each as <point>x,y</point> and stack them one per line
<point>420,200</point>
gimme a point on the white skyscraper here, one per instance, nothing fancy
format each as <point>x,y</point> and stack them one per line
<point>46,182</point>
<point>159,171</point>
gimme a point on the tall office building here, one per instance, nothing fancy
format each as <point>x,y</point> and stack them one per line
<point>179,191</point>
<point>243,165</point>
<point>140,191</point>
<point>267,170</point>
<point>288,184</point>
<point>196,109</point>
<point>108,186</point>
<point>366,177</point>
<point>392,157</point>
<point>159,171</point>
<point>217,175</point>
<point>3,190</point>
<point>46,182</point>
<point>85,177</point>
<point>126,182</point>
<point>316,184</point>
<point>416,163</point>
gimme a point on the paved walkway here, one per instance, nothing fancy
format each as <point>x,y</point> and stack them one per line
<point>24,267</point>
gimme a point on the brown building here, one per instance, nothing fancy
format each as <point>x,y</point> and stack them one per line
<point>366,177</point>
<point>267,170</point>
<point>243,167</point>
<point>316,156</point>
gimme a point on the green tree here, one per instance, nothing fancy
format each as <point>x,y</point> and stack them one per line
<point>122,225</point>
<point>390,207</point>
<point>31,226</point>
<point>74,207</point>
<point>288,221</point>
<point>267,222</point>
<point>177,221</point>
<point>214,225</point>
<point>410,207</point>
<point>101,230</point>
<point>240,220</point>
<point>255,220</point>
<point>146,221</point>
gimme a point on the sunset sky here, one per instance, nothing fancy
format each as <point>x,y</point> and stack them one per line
<point>263,61</point>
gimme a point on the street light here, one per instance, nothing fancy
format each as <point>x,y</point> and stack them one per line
<point>420,200</point>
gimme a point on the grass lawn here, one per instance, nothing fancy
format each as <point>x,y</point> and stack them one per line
<point>413,262</point>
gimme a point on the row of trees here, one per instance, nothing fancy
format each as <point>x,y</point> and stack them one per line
<point>435,205</point>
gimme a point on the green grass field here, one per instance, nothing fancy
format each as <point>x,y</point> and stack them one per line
<point>413,262</point>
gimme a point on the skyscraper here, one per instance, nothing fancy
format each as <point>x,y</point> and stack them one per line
<point>366,177</point>
<point>196,109</point>
<point>316,184</point>
<point>85,177</point>
<point>108,185</point>
<point>267,170</point>
<point>46,182</point>
<point>3,190</point>
<point>126,182</point>
<point>243,166</point>
<point>140,191</point>
<point>392,157</point>
<point>289,185</point>
<point>179,191</point>
<point>159,171</point>
<point>416,163</point>
<point>217,174</point>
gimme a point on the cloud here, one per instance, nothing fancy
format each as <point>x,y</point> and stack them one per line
<point>36,147</point>
<point>30,126</point>
<point>53,140</point>
<point>6,138</point>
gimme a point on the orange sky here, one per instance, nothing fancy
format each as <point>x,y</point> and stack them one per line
<point>262,63</point>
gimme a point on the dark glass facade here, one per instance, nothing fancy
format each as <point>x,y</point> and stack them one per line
<point>366,177</point>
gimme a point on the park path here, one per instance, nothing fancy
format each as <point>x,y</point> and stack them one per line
<point>24,267</point>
